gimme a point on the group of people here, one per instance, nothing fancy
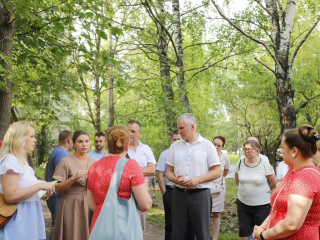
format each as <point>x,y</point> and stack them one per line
<point>186,173</point>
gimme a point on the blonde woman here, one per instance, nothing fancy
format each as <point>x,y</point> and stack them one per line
<point>19,185</point>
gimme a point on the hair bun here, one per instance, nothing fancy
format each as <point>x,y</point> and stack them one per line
<point>308,132</point>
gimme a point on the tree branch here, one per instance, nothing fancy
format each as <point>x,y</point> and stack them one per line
<point>243,32</point>
<point>266,66</point>
<point>303,40</point>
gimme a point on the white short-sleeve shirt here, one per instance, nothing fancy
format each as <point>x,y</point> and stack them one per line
<point>162,165</point>
<point>253,183</point>
<point>282,170</point>
<point>193,160</point>
<point>143,155</point>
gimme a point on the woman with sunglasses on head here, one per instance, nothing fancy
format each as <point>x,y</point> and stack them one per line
<point>73,216</point>
<point>255,178</point>
<point>218,199</point>
<point>296,201</point>
<point>19,185</point>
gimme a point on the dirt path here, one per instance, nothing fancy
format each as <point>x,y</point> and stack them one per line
<point>152,232</point>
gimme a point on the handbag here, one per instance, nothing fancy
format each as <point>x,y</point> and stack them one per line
<point>119,219</point>
<point>7,211</point>
<point>216,187</point>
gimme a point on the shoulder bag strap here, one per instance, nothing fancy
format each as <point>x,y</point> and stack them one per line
<point>117,173</point>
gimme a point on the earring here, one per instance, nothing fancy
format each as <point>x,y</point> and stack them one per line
<point>293,155</point>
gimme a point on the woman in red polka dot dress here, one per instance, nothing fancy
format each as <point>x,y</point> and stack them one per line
<point>296,201</point>
<point>100,174</point>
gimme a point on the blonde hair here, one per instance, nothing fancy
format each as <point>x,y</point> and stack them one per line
<point>117,139</point>
<point>15,139</point>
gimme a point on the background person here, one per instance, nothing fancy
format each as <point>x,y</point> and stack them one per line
<point>254,178</point>
<point>63,149</point>
<point>166,188</point>
<point>192,165</point>
<point>296,201</point>
<point>218,199</point>
<point>99,143</point>
<point>19,185</point>
<point>282,170</point>
<point>100,174</point>
<point>73,217</point>
<point>142,153</point>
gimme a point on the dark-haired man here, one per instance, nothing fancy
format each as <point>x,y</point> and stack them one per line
<point>142,153</point>
<point>166,188</point>
<point>62,150</point>
<point>99,143</point>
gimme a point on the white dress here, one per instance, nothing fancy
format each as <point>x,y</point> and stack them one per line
<point>218,200</point>
<point>28,223</point>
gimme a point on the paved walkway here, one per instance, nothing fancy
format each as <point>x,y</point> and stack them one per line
<point>231,171</point>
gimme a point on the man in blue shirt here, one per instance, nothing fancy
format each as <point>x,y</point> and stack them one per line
<point>62,150</point>
<point>99,143</point>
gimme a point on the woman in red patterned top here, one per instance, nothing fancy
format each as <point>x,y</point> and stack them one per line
<point>100,174</point>
<point>296,201</point>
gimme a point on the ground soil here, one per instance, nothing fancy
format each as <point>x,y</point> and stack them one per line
<point>152,232</point>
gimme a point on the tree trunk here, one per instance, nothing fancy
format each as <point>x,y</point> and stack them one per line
<point>280,36</point>
<point>166,81</point>
<point>97,95</point>
<point>110,86</point>
<point>7,31</point>
<point>179,63</point>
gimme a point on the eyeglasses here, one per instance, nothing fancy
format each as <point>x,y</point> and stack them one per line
<point>248,149</point>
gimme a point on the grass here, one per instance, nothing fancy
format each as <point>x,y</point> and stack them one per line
<point>229,220</point>
<point>233,158</point>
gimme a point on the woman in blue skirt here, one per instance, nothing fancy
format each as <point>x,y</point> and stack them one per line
<point>19,185</point>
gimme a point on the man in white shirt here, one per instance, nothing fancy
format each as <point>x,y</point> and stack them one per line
<point>142,153</point>
<point>282,170</point>
<point>263,157</point>
<point>99,143</point>
<point>192,165</point>
<point>166,188</point>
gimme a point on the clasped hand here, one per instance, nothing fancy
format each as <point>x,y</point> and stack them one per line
<point>189,183</point>
<point>80,174</point>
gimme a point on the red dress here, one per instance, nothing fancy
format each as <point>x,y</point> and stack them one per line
<point>304,182</point>
<point>99,178</point>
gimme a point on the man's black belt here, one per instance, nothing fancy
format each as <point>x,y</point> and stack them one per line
<point>186,190</point>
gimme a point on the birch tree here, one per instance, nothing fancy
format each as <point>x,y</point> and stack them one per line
<point>179,52</point>
<point>277,42</point>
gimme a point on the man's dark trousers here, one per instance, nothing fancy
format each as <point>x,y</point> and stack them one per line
<point>195,205</point>
<point>167,203</point>
<point>53,205</point>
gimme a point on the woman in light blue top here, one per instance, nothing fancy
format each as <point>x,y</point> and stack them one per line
<point>19,185</point>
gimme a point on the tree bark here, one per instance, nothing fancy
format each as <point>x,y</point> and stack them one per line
<point>166,81</point>
<point>97,95</point>
<point>7,31</point>
<point>111,85</point>
<point>179,49</point>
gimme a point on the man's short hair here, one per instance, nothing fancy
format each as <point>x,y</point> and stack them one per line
<point>175,132</point>
<point>99,134</point>
<point>134,122</point>
<point>188,118</point>
<point>64,136</point>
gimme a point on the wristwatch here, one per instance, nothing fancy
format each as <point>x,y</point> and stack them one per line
<point>261,237</point>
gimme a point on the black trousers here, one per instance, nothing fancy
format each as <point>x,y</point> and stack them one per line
<point>167,203</point>
<point>195,206</point>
